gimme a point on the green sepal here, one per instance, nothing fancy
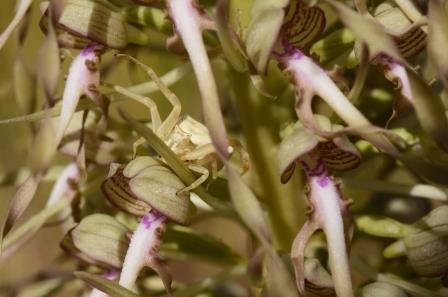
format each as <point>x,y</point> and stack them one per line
<point>98,239</point>
<point>427,245</point>
<point>146,183</point>
<point>149,17</point>
<point>95,21</point>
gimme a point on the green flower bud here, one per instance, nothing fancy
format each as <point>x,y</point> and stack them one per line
<point>96,21</point>
<point>382,289</point>
<point>427,244</point>
<point>98,240</point>
<point>146,183</point>
<point>149,17</point>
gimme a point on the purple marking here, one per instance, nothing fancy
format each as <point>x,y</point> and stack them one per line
<point>324,181</point>
<point>384,56</point>
<point>111,275</point>
<point>151,217</point>
<point>90,49</point>
<point>318,170</point>
<point>289,52</point>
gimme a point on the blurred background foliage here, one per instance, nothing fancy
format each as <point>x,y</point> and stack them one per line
<point>44,249</point>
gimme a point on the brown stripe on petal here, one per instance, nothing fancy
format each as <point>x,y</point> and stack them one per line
<point>336,158</point>
<point>303,24</point>
<point>409,41</point>
<point>95,21</point>
<point>319,291</point>
<point>117,191</point>
<point>412,42</point>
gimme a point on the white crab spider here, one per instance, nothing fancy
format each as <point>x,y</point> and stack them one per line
<point>188,138</point>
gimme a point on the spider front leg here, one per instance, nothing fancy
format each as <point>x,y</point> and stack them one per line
<point>204,176</point>
<point>148,102</point>
<point>173,118</point>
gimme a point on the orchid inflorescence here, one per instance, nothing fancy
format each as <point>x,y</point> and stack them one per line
<point>283,85</point>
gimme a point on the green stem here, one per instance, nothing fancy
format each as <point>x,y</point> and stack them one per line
<point>189,25</point>
<point>261,141</point>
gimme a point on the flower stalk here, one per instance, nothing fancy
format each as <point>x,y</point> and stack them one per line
<point>189,24</point>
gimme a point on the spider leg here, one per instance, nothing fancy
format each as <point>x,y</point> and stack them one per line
<point>148,102</point>
<point>172,119</point>
<point>198,153</point>
<point>135,146</point>
<point>204,175</point>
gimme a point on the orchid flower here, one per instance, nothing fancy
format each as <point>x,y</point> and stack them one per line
<point>83,78</point>
<point>409,41</point>
<point>62,189</point>
<point>145,187</point>
<point>316,155</point>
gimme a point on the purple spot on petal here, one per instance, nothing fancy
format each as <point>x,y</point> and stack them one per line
<point>111,275</point>
<point>151,217</point>
<point>323,181</point>
<point>289,52</point>
<point>90,49</point>
<point>145,221</point>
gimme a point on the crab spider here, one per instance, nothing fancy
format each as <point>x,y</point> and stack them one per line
<point>188,138</point>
